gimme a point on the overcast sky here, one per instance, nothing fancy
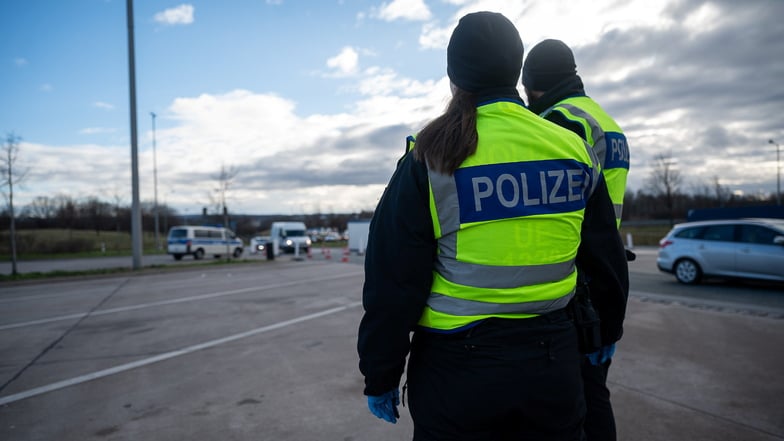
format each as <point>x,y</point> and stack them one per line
<point>310,101</point>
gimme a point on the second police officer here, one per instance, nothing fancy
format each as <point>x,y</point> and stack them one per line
<point>556,92</point>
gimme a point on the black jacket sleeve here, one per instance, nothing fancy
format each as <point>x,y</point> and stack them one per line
<point>602,259</point>
<point>398,276</point>
<point>558,118</point>
<point>601,255</point>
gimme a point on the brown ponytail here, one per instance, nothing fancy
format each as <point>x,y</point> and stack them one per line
<point>448,140</point>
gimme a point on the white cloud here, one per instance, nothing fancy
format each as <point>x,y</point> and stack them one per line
<point>578,23</point>
<point>260,132</point>
<point>62,169</point>
<point>414,10</point>
<point>434,36</point>
<point>20,62</point>
<point>286,160</point>
<point>181,15</point>
<point>346,62</point>
<point>706,18</point>
<point>103,105</point>
<point>96,131</point>
<point>385,82</point>
<point>46,87</point>
<point>645,62</point>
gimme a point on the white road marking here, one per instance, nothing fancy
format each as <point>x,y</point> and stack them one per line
<point>165,356</point>
<point>170,302</point>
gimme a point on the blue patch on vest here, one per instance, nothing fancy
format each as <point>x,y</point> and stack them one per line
<point>617,153</point>
<point>508,190</point>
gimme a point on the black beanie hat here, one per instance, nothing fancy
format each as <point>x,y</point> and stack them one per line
<point>548,63</point>
<point>484,52</point>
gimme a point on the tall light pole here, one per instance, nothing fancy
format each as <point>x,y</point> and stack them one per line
<point>136,218</point>
<point>778,172</point>
<point>155,183</point>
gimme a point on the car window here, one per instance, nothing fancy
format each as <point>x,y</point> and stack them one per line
<point>722,233</point>
<point>690,233</point>
<point>757,234</point>
<point>178,232</point>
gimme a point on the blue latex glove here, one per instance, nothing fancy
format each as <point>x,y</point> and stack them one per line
<point>601,356</point>
<point>385,406</point>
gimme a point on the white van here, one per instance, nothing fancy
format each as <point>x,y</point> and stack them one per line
<point>199,241</point>
<point>288,236</point>
<point>358,233</point>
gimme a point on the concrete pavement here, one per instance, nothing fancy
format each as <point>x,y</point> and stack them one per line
<point>680,372</point>
<point>689,374</point>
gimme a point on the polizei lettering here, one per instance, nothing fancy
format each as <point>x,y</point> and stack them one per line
<point>555,187</point>
<point>617,155</point>
<point>502,191</point>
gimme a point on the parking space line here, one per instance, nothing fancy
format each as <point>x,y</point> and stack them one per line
<point>42,321</point>
<point>165,356</point>
<point>172,301</point>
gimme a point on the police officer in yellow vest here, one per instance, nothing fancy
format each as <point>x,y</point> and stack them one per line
<point>473,248</point>
<point>556,92</point>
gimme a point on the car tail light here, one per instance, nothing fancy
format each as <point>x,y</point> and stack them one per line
<point>664,243</point>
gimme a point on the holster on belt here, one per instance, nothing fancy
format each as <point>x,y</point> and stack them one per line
<point>585,318</point>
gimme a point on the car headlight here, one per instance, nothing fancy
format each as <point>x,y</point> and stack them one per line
<point>289,242</point>
<point>307,242</point>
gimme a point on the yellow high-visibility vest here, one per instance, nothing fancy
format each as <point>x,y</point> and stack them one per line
<point>606,138</point>
<point>508,220</point>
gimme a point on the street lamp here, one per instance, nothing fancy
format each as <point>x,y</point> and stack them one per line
<point>155,183</point>
<point>778,172</point>
<point>136,219</point>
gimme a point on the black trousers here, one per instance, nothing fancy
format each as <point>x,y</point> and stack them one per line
<point>502,380</point>
<point>599,419</point>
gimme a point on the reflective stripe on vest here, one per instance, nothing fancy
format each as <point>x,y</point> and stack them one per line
<point>488,276</point>
<point>527,181</point>
<point>465,307</point>
<point>600,129</point>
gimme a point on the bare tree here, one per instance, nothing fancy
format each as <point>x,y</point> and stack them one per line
<point>213,206</point>
<point>66,211</point>
<point>225,178</point>
<point>10,175</point>
<point>42,207</point>
<point>117,208</point>
<point>96,211</point>
<point>721,192</point>
<point>665,180</point>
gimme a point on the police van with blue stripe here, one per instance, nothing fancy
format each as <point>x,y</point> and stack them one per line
<point>199,241</point>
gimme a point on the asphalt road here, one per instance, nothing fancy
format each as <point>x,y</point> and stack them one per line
<point>648,281</point>
<point>157,260</point>
<point>266,351</point>
<point>755,297</point>
<point>94,263</point>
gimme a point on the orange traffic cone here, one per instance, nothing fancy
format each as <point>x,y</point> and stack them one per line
<point>345,255</point>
